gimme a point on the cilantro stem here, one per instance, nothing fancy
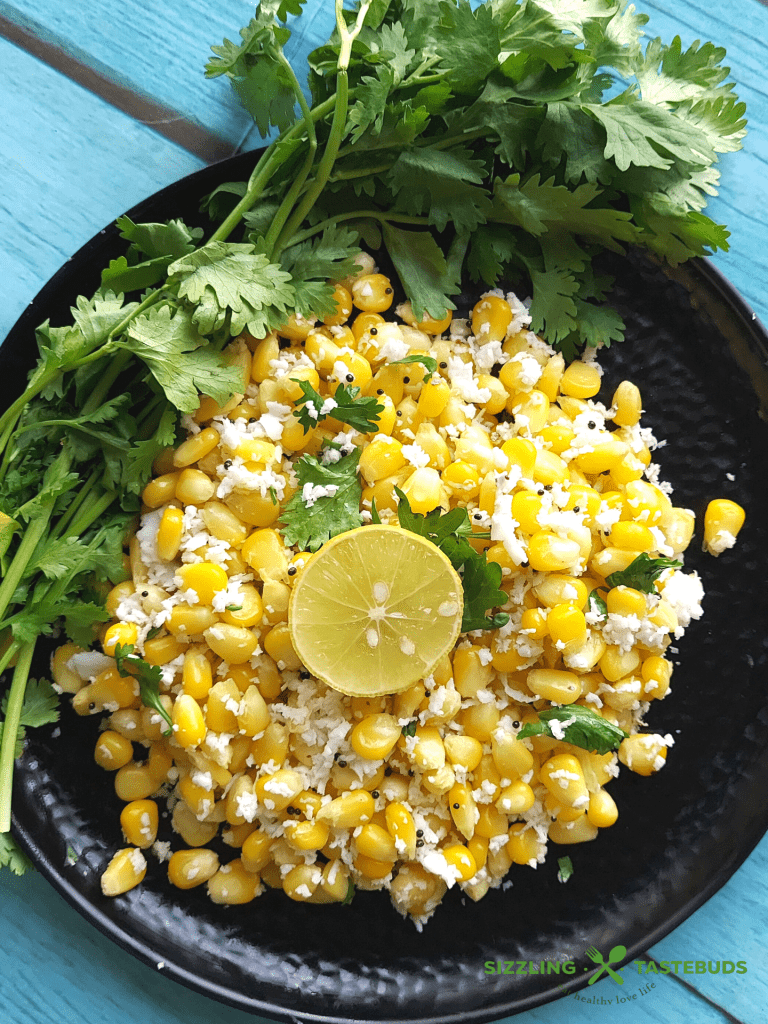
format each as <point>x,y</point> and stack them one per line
<point>295,190</point>
<point>315,229</point>
<point>67,517</point>
<point>31,537</point>
<point>11,415</point>
<point>11,730</point>
<point>8,655</point>
<point>338,125</point>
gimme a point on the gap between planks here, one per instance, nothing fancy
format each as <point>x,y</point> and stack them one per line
<point>686,984</point>
<point>162,119</point>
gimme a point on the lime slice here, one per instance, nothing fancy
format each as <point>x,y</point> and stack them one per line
<point>375,610</point>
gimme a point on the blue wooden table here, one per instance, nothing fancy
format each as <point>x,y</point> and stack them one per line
<point>104,103</point>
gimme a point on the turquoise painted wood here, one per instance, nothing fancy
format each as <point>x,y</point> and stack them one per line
<point>71,164</point>
<point>61,144</point>
<point>157,50</point>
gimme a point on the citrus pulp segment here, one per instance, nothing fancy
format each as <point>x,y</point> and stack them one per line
<point>375,610</point>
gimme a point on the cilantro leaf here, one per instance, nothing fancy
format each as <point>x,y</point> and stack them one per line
<point>148,678</point>
<point>41,704</point>
<point>310,521</point>
<point>232,285</point>
<point>481,580</point>
<point>176,353</point>
<point>444,184</point>
<point>597,605</point>
<point>579,726</point>
<point>423,271</point>
<point>642,573</point>
<point>410,729</point>
<point>12,856</point>
<point>360,413</point>
<point>428,362</point>
<point>173,238</point>
<point>564,868</point>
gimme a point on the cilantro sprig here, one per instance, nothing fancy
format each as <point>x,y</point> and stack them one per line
<point>327,502</point>
<point>360,413</point>
<point>148,677</point>
<point>480,579</point>
<point>578,726</point>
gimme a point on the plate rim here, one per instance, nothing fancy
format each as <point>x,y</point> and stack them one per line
<point>699,268</point>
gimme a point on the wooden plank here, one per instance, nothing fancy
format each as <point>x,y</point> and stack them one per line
<point>156,50</point>
<point>72,163</point>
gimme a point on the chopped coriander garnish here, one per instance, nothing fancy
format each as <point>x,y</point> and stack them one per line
<point>564,869</point>
<point>428,362</point>
<point>327,502</point>
<point>642,573</point>
<point>148,677</point>
<point>409,729</point>
<point>360,413</point>
<point>577,725</point>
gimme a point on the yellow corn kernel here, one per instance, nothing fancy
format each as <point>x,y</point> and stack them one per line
<point>109,691</point>
<point>678,529</point>
<point>222,523</point>
<point>255,852</point>
<point>548,552</point>
<point>463,751</point>
<point>615,663</point>
<point>190,620</point>
<point>134,782</point>
<point>205,578</point>
<point>623,600</point>
<point>162,649</point>
<point>656,673</point>
<point>463,809</point>
<point>428,439</point>
<point>197,676</point>
<point>276,791</point>
<point>422,488</point>
<point>462,479</point>
<point>265,552</point>
<point>381,458</point>
<point>196,447</point>
<point>534,623</point>
<point>235,836</point>
<point>490,821</point>
<point>348,810</point>
<point>604,456</point>
<point>307,835</point>
<point>558,436</point>
<point>253,508</point>
<point>549,468</point>
<point>428,324</point>
<point>125,871</point>
<point>461,860</point>
<point>665,616</point>
<point>343,302</point>
<point>375,736</point>
<point>491,317</point>
<point>233,644</point>
<point>428,750</point>
<point>277,644</point>
<point>268,349</point>
<point>434,396</point>
<point>169,534</point>
<point>232,884</point>
<point>115,597</point>
<point>499,396</point>
<point>602,810</point>
<point>194,487</point>
<point>523,844</point>
<point>272,746</point>
<point>472,670</point>
<point>554,685</point>
<point>480,720</point>
<point>581,380</point>
<point>552,374</point>
<point>222,707</point>
<point>119,633</point>
<point>402,829</point>
<point>253,716</point>
<point>160,491</point>
<point>521,452</point>
<point>643,502</point>
<point>478,847</point>
<point>722,521</point>
<point>139,820</point>
<point>372,869</point>
<point>416,891</point>
<point>189,722</point>
<point>439,780</point>
<point>526,508</point>
<point>530,411</point>
<point>372,293</point>
<point>193,832</point>
<point>566,623</point>
<point>581,830</point>
<point>112,750</point>
<point>516,798</point>
<point>190,868</point>
<point>376,842</point>
<point>628,404</point>
<point>563,776</point>
<point>643,753</point>
<point>510,755</point>
<point>632,536</point>
<point>199,799</point>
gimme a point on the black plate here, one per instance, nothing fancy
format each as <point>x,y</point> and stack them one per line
<point>699,357</point>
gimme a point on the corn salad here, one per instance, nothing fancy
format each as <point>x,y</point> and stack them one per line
<point>431,787</point>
